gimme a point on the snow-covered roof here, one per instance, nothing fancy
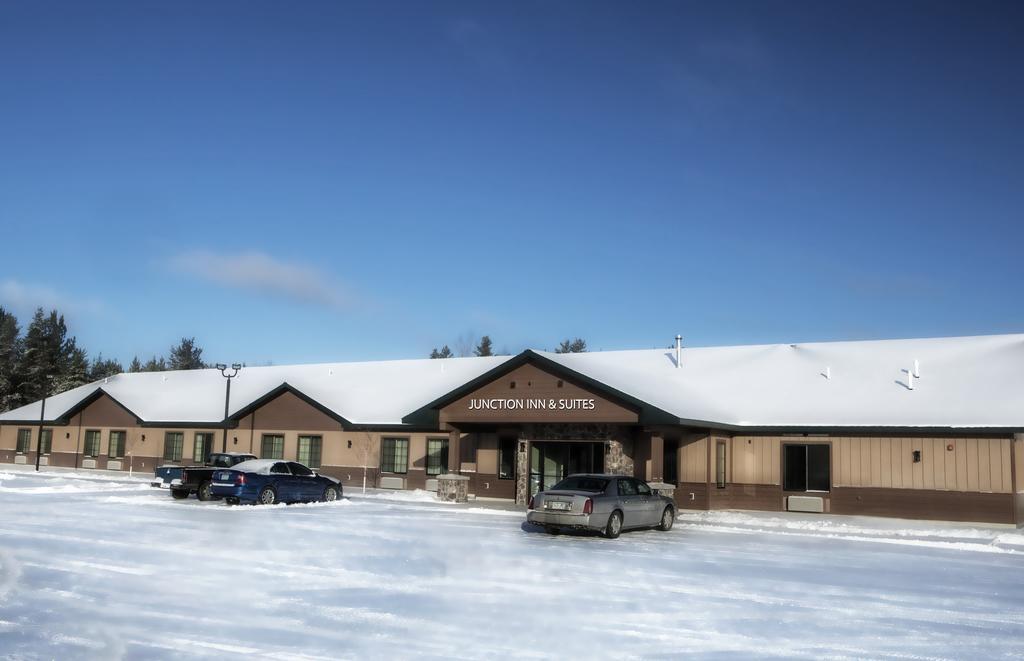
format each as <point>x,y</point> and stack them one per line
<point>968,382</point>
<point>964,382</point>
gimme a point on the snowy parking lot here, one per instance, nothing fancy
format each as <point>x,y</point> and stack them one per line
<point>99,565</point>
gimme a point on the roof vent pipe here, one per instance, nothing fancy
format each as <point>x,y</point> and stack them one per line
<point>917,369</point>
<point>910,380</point>
<point>679,351</point>
<point>828,373</point>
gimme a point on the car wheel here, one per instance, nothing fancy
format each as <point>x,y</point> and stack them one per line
<point>552,530</point>
<point>330,495</point>
<point>179,494</point>
<point>614,527</point>
<point>267,496</point>
<point>668,517</point>
<point>205,491</point>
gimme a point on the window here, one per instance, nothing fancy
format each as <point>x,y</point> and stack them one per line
<point>116,445</point>
<point>720,464</point>
<point>47,441</point>
<point>24,440</point>
<point>642,488</point>
<point>437,456</point>
<point>507,458</point>
<point>299,469</point>
<point>273,446</point>
<point>394,455</point>
<point>280,469</point>
<point>202,446</point>
<point>92,443</point>
<point>806,468</point>
<point>627,487</point>
<point>310,448</point>
<point>173,443</point>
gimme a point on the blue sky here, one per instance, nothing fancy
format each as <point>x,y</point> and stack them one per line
<point>298,182</point>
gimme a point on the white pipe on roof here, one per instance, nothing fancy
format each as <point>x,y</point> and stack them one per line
<point>679,351</point>
<point>917,369</point>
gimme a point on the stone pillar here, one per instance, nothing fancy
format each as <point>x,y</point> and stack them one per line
<point>616,461</point>
<point>453,488</point>
<point>522,472</point>
<point>454,452</point>
<point>657,473</point>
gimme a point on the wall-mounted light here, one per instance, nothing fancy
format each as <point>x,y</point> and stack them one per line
<point>143,438</point>
<point>67,434</point>
<point>350,443</point>
<point>236,440</point>
<point>917,456</point>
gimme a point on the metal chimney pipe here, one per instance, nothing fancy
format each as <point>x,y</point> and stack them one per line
<point>917,369</point>
<point>679,351</point>
<point>910,380</point>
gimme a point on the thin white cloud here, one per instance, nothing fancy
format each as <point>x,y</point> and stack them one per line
<point>259,272</point>
<point>23,298</point>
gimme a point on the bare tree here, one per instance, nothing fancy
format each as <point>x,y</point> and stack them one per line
<point>364,448</point>
<point>464,344</point>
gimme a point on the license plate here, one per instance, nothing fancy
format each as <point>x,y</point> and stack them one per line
<point>558,505</point>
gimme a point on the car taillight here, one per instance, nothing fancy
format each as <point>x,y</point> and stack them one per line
<point>240,480</point>
<point>588,507</point>
<point>530,506</point>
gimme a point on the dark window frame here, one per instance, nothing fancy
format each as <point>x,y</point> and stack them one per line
<point>513,445</point>
<point>440,465</point>
<point>315,450</point>
<point>91,443</point>
<point>792,484</point>
<point>207,445</point>
<point>121,445</point>
<point>23,445</point>
<point>391,465</point>
<point>721,465</point>
<point>174,445</point>
<point>271,455</point>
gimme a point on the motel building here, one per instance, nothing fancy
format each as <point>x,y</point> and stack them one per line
<point>919,428</point>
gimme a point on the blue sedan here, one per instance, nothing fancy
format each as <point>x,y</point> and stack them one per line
<point>269,481</point>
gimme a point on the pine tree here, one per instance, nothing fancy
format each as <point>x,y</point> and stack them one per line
<point>136,366</point>
<point>73,370</point>
<point>445,352</point>
<point>577,345</point>
<point>186,356</point>
<point>485,347</point>
<point>101,369</point>
<point>11,348</point>
<point>155,364</point>
<point>47,352</point>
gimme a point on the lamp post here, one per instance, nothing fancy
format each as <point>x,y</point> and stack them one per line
<point>39,443</point>
<point>235,367</point>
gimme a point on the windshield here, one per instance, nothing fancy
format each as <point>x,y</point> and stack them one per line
<point>581,483</point>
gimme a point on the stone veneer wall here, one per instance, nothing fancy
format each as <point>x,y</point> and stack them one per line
<point>617,459</point>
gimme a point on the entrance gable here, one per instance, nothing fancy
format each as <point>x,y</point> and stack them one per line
<point>103,411</point>
<point>529,393</point>
<point>287,410</point>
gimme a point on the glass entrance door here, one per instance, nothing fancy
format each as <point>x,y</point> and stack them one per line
<point>553,461</point>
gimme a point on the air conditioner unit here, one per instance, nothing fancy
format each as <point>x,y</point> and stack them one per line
<point>20,459</point>
<point>392,483</point>
<point>113,465</point>
<point>88,463</point>
<point>805,504</point>
<point>431,485</point>
<point>44,461</point>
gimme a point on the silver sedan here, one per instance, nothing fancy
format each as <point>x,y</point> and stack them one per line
<point>607,504</point>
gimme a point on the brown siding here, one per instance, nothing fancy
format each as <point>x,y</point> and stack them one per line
<point>699,492</point>
<point>755,460</point>
<point>922,504</point>
<point>535,383</point>
<point>693,453</point>
<point>287,411</point>
<point>105,412</point>
<point>747,497</point>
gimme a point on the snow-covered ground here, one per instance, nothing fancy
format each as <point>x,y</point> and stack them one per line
<point>100,565</point>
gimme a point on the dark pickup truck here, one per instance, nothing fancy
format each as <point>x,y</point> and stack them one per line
<point>186,480</point>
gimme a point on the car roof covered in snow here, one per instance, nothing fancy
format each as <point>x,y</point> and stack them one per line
<point>963,382</point>
<point>259,466</point>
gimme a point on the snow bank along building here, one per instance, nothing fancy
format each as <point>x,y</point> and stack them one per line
<point>926,428</point>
